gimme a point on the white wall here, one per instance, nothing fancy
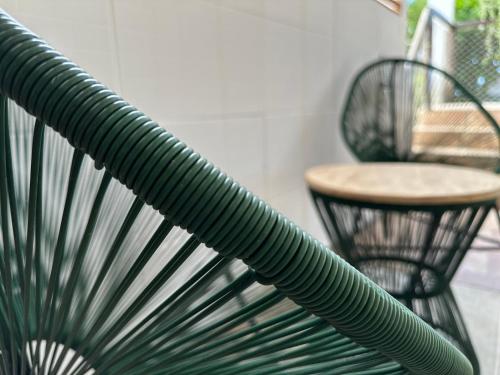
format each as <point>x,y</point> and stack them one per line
<point>255,85</point>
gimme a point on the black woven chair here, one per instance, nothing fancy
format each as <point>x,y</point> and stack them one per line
<point>404,110</point>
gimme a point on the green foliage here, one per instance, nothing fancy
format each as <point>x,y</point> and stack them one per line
<point>413,14</point>
<point>476,49</point>
<point>467,10</point>
<point>490,9</point>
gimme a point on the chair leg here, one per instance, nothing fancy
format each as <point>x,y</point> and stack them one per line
<point>443,314</point>
<point>491,243</point>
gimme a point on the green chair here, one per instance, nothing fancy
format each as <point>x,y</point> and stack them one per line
<point>116,239</point>
<point>405,110</point>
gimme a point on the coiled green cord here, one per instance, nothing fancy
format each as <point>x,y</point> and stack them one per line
<point>195,195</point>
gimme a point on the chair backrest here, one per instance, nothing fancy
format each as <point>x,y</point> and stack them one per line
<point>405,110</point>
<point>184,191</point>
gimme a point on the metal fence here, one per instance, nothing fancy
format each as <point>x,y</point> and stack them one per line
<point>470,51</point>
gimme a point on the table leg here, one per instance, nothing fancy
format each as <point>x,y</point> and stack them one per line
<point>442,313</point>
<point>412,252</point>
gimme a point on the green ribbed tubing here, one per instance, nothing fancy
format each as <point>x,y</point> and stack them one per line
<point>193,194</point>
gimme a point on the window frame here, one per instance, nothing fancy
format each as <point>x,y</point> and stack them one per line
<point>393,5</point>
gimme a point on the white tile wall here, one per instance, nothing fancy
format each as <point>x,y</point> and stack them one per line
<point>318,67</point>
<point>286,12</point>
<point>242,55</point>
<point>284,153</point>
<point>284,68</point>
<point>255,85</point>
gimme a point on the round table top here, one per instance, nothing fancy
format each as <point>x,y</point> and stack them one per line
<point>405,183</point>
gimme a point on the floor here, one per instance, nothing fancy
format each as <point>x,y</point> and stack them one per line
<point>477,290</point>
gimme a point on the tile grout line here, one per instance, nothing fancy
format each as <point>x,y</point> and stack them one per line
<point>497,349</point>
<point>115,46</point>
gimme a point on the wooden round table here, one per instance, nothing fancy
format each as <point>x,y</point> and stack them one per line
<point>407,226</point>
<point>405,183</point>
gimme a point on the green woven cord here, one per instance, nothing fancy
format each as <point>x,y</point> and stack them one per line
<point>392,104</point>
<point>193,194</point>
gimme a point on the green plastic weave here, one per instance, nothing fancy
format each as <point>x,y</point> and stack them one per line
<point>193,194</point>
<point>406,110</point>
